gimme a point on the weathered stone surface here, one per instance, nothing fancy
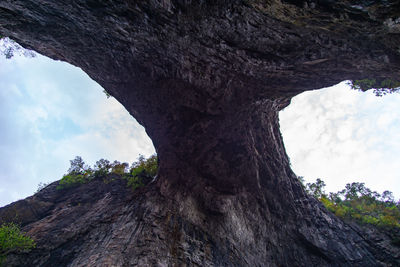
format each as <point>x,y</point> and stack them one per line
<point>207,80</point>
<point>100,224</point>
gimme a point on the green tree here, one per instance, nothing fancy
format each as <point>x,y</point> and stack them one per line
<point>316,189</point>
<point>387,197</point>
<point>78,166</point>
<point>142,171</point>
<point>78,173</point>
<point>355,190</point>
<point>119,168</point>
<point>359,203</point>
<point>102,167</point>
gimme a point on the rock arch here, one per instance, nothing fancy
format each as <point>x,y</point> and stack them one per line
<point>207,80</point>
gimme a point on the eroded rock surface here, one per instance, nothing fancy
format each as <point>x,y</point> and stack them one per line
<point>107,224</point>
<point>207,80</point>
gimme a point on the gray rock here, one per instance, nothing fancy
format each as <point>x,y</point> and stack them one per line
<point>207,80</point>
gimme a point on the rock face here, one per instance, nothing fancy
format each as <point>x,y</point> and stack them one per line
<point>207,80</point>
<point>107,224</point>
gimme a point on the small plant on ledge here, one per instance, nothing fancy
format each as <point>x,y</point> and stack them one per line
<point>12,239</point>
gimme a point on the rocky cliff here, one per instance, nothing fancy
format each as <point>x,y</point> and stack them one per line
<point>207,80</point>
<point>106,223</point>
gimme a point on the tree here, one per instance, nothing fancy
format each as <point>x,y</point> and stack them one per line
<point>102,167</point>
<point>316,189</point>
<point>355,190</point>
<point>388,197</point>
<point>119,168</point>
<point>78,166</point>
<point>358,203</point>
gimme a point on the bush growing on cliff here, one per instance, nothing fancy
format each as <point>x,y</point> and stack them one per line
<point>12,239</point>
<point>359,203</point>
<point>145,166</point>
<point>78,173</point>
<point>71,180</point>
<point>381,88</point>
<point>102,168</point>
<point>141,172</point>
<point>119,168</point>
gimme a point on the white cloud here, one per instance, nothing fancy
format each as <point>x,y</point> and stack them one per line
<point>49,113</point>
<point>343,136</point>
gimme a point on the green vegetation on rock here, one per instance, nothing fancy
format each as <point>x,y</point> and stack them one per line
<point>142,171</point>
<point>139,174</point>
<point>12,239</point>
<point>358,203</point>
<point>78,173</point>
<point>381,87</point>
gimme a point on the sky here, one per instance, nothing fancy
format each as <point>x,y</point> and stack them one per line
<point>51,111</point>
<point>343,136</point>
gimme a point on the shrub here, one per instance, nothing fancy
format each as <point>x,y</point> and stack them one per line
<point>119,168</point>
<point>142,171</point>
<point>135,182</point>
<point>357,202</point>
<point>78,173</point>
<point>145,166</point>
<point>381,88</point>
<point>12,239</point>
<point>140,174</point>
<point>71,180</point>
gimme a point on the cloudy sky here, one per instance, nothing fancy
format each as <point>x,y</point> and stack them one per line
<point>51,111</point>
<point>344,136</point>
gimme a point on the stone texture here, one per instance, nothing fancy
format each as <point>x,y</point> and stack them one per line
<point>107,224</point>
<point>207,80</point>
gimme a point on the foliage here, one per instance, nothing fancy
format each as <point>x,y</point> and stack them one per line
<point>78,166</point>
<point>41,185</point>
<point>106,93</point>
<point>119,168</point>
<point>102,168</point>
<point>141,172</point>
<point>13,240</point>
<point>72,180</point>
<point>78,173</point>
<point>316,189</point>
<point>145,166</point>
<point>359,203</point>
<point>135,182</point>
<point>381,88</point>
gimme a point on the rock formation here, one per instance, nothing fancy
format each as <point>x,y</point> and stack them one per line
<point>207,80</point>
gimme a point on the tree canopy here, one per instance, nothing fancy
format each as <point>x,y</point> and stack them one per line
<point>139,174</point>
<point>358,202</point>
